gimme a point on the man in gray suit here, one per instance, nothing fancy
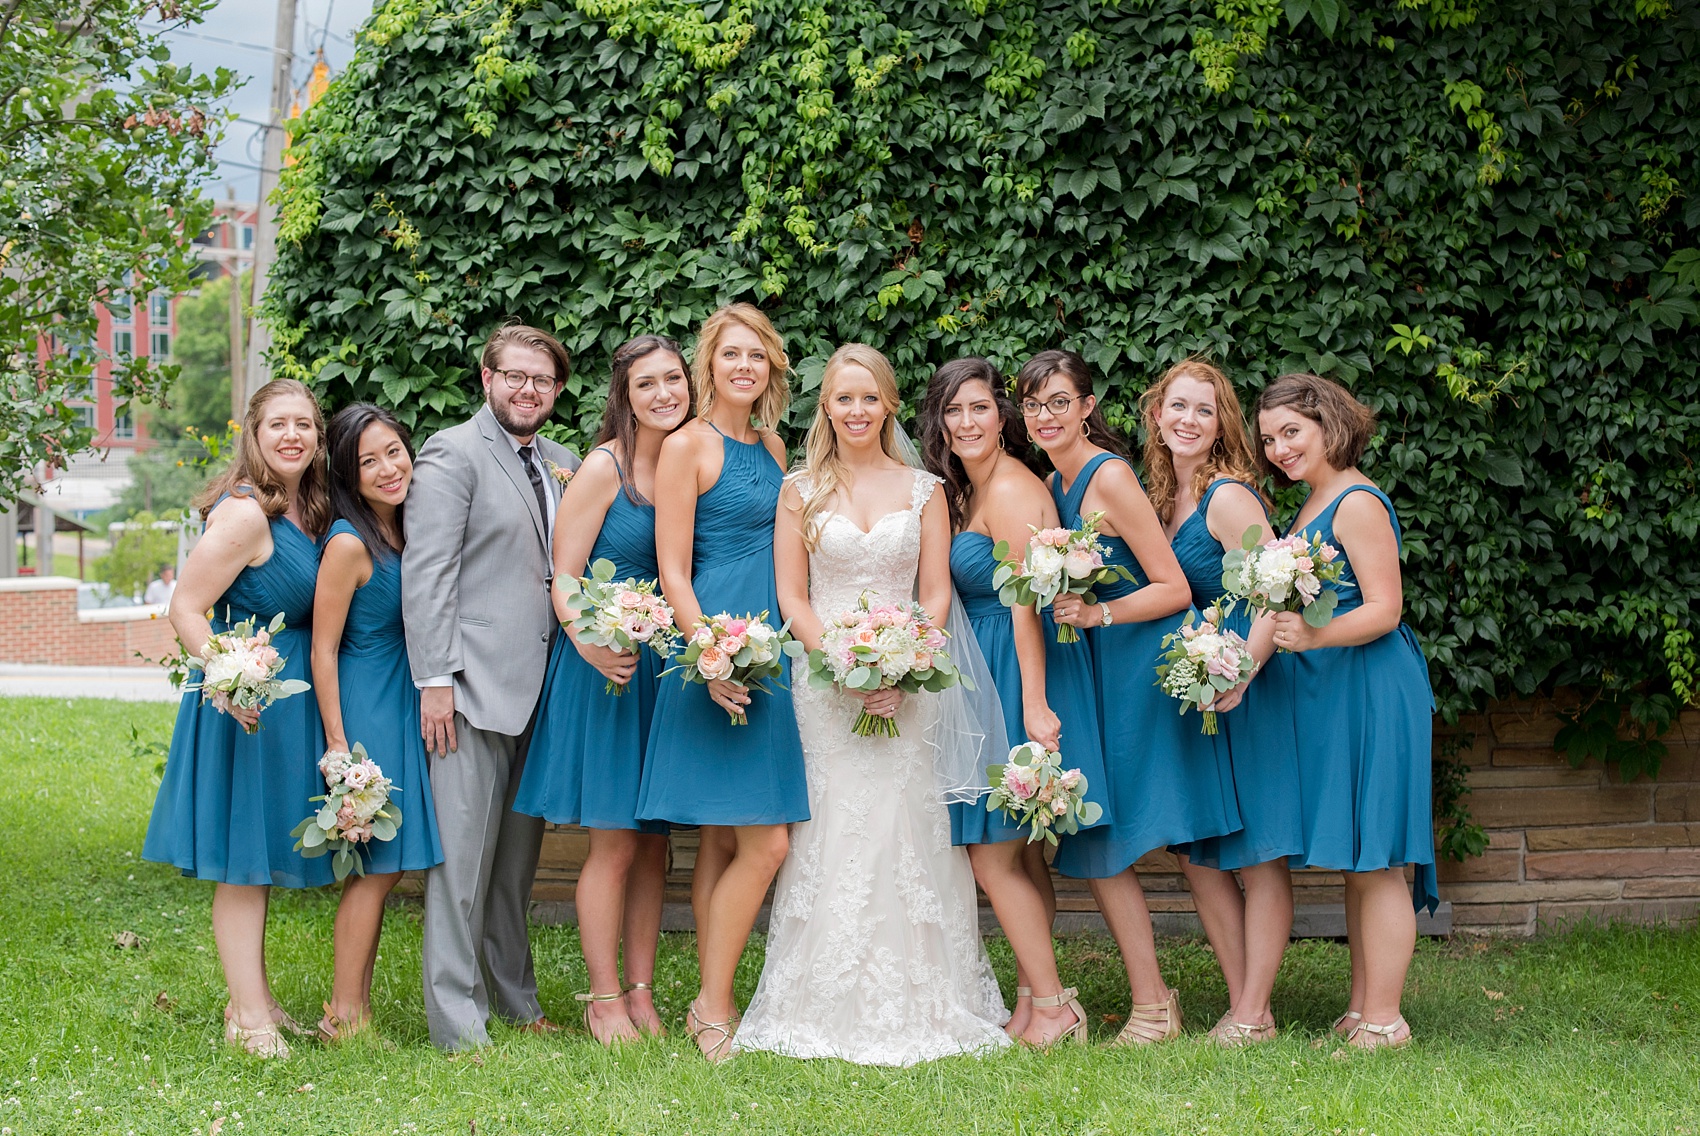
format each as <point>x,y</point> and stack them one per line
<point>475,576</point>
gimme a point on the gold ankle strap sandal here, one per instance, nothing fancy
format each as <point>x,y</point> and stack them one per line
<point>1153,1022</point>
<point>722,1048</point>
<point>1069,997</point>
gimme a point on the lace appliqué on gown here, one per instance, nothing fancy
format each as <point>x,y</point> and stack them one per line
<point>874,952</point>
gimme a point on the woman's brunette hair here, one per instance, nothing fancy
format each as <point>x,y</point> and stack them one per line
<point>822,471</point>
<point>770,407</point>
<point>942,389</point>
<point>1037,371</point>
<point>619,423</point>
<point>348,426</point>
<point>1231,455</point>
<point>249,475</point>
<point>1347,424</point>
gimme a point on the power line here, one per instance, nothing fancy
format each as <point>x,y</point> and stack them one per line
<point>211,38</point>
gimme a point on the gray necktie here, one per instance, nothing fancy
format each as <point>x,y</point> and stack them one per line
<point>536,479</point>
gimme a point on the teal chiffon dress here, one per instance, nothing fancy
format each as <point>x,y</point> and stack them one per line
<point>1168,783</point>
<point>587,750</point>
<point>1262,741</point>
<point>380,710</point>
<point>1366,733</point>
<point>1068,688</point>
<point>229,799</point>
<point>700,768</point>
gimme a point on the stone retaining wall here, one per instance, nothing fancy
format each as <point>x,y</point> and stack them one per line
<point>1565,843</point>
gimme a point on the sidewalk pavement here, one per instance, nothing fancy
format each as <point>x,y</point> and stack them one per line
<point>129,684</point>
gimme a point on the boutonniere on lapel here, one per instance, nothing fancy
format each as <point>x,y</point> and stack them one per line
<point>559,472</point>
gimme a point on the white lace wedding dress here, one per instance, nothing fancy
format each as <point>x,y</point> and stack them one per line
<point>873,950</point>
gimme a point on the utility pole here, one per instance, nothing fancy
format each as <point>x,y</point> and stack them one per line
<point>233,265</point>
<point>255,372</point>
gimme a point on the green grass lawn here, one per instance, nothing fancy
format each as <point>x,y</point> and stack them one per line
<point>1592,1031</point>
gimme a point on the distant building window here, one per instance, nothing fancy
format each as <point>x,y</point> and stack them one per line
<point>124,427</point>
<point>123,344</point>
<point>85,416</point>
<point>119,306</point>
<point>159,349</point>
<point>159,309</point>
<point>247,236</point>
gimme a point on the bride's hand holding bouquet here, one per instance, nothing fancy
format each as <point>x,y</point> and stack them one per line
<point>879,652</point>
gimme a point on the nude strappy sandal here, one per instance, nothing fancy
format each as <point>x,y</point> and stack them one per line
<point>1152,1023</point>
<point>1232,1035</point>
<point>262,1041</point>
<point>659,1030</point>
<point>1368,1035</point>
<point>587,999</point>
<point>1069,997</point>
<point>721,1049</point>
<point>1342,1027</point>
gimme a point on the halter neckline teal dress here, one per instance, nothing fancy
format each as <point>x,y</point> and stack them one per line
<point>380,710</point>
<point>587,750</point>
<point>229,799</point>
<point>1366,734</point>
<point>1168,783</point>
<point>700,768</point>
<point>1068,688</point>
<point>1263,747</point>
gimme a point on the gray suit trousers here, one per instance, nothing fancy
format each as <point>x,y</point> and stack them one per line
<point>477,955</point>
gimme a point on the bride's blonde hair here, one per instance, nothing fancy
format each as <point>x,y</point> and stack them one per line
<point>822,471</point>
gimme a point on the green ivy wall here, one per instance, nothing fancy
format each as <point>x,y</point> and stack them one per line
<point>1482,218</point>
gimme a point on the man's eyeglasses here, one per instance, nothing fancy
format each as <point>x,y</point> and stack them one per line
<point>516,380</point>
<point>1057,404</point>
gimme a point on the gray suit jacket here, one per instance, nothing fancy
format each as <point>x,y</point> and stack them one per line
<point>476,572</point>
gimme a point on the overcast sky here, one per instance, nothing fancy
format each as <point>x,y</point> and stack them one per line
<point>238,34</point>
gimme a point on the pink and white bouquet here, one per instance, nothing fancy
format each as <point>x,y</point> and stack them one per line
<point>239,669</point>
<point>1056,562</point>
<point>877,646</point>
<point>1201,660</point>
<point>357,810</point>
<point>623,615</point>
<point>1285,574</point>
<point>744,649</point>
<point>1036,792</point>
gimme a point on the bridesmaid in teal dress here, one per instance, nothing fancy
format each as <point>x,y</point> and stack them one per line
<point>364,687</point>
<point>972,437</point>
<point>717,490</point>
<point>1167,782</point>
<point>1363,705</point>
<point>588,748</point>
<point>229,798</point>
<point>1202,475</point>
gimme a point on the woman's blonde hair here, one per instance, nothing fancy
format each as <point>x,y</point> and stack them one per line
<point>822,471</point>
<point>1231,455</point>
<point>248,469</point>
<point>770,407</point>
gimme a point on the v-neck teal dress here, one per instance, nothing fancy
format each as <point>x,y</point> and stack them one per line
<point>587,753</point>
<point>1068,688</point>
<point>1168,783</point>
<point>1263,747</point>
<point>1365,721</point>
<point>229,798</point>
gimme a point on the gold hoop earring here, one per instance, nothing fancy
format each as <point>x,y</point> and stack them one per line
<point>1085,429</point>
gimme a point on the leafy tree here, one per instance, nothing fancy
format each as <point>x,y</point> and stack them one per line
<point>200,398</point>
<point>1483,217</point>
<point>138,552</point>
<point>104,145</point>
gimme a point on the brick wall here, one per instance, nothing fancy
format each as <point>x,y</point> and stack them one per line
<point>40,623</point>
<point>1564,843</point>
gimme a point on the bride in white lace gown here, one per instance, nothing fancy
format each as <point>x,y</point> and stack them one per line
<point>873,952</point>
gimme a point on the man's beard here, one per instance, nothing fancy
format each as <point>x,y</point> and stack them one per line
<point>516,427</point>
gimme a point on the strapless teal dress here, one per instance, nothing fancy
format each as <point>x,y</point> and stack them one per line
<point>1263,747</point>
<point>1168,783</point>
<point>1366,734</point>
<point>380,710</point>
<point>587,750</point>
<point>700,768</point>
<point>229,799</point>
<point>1068,688</point>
